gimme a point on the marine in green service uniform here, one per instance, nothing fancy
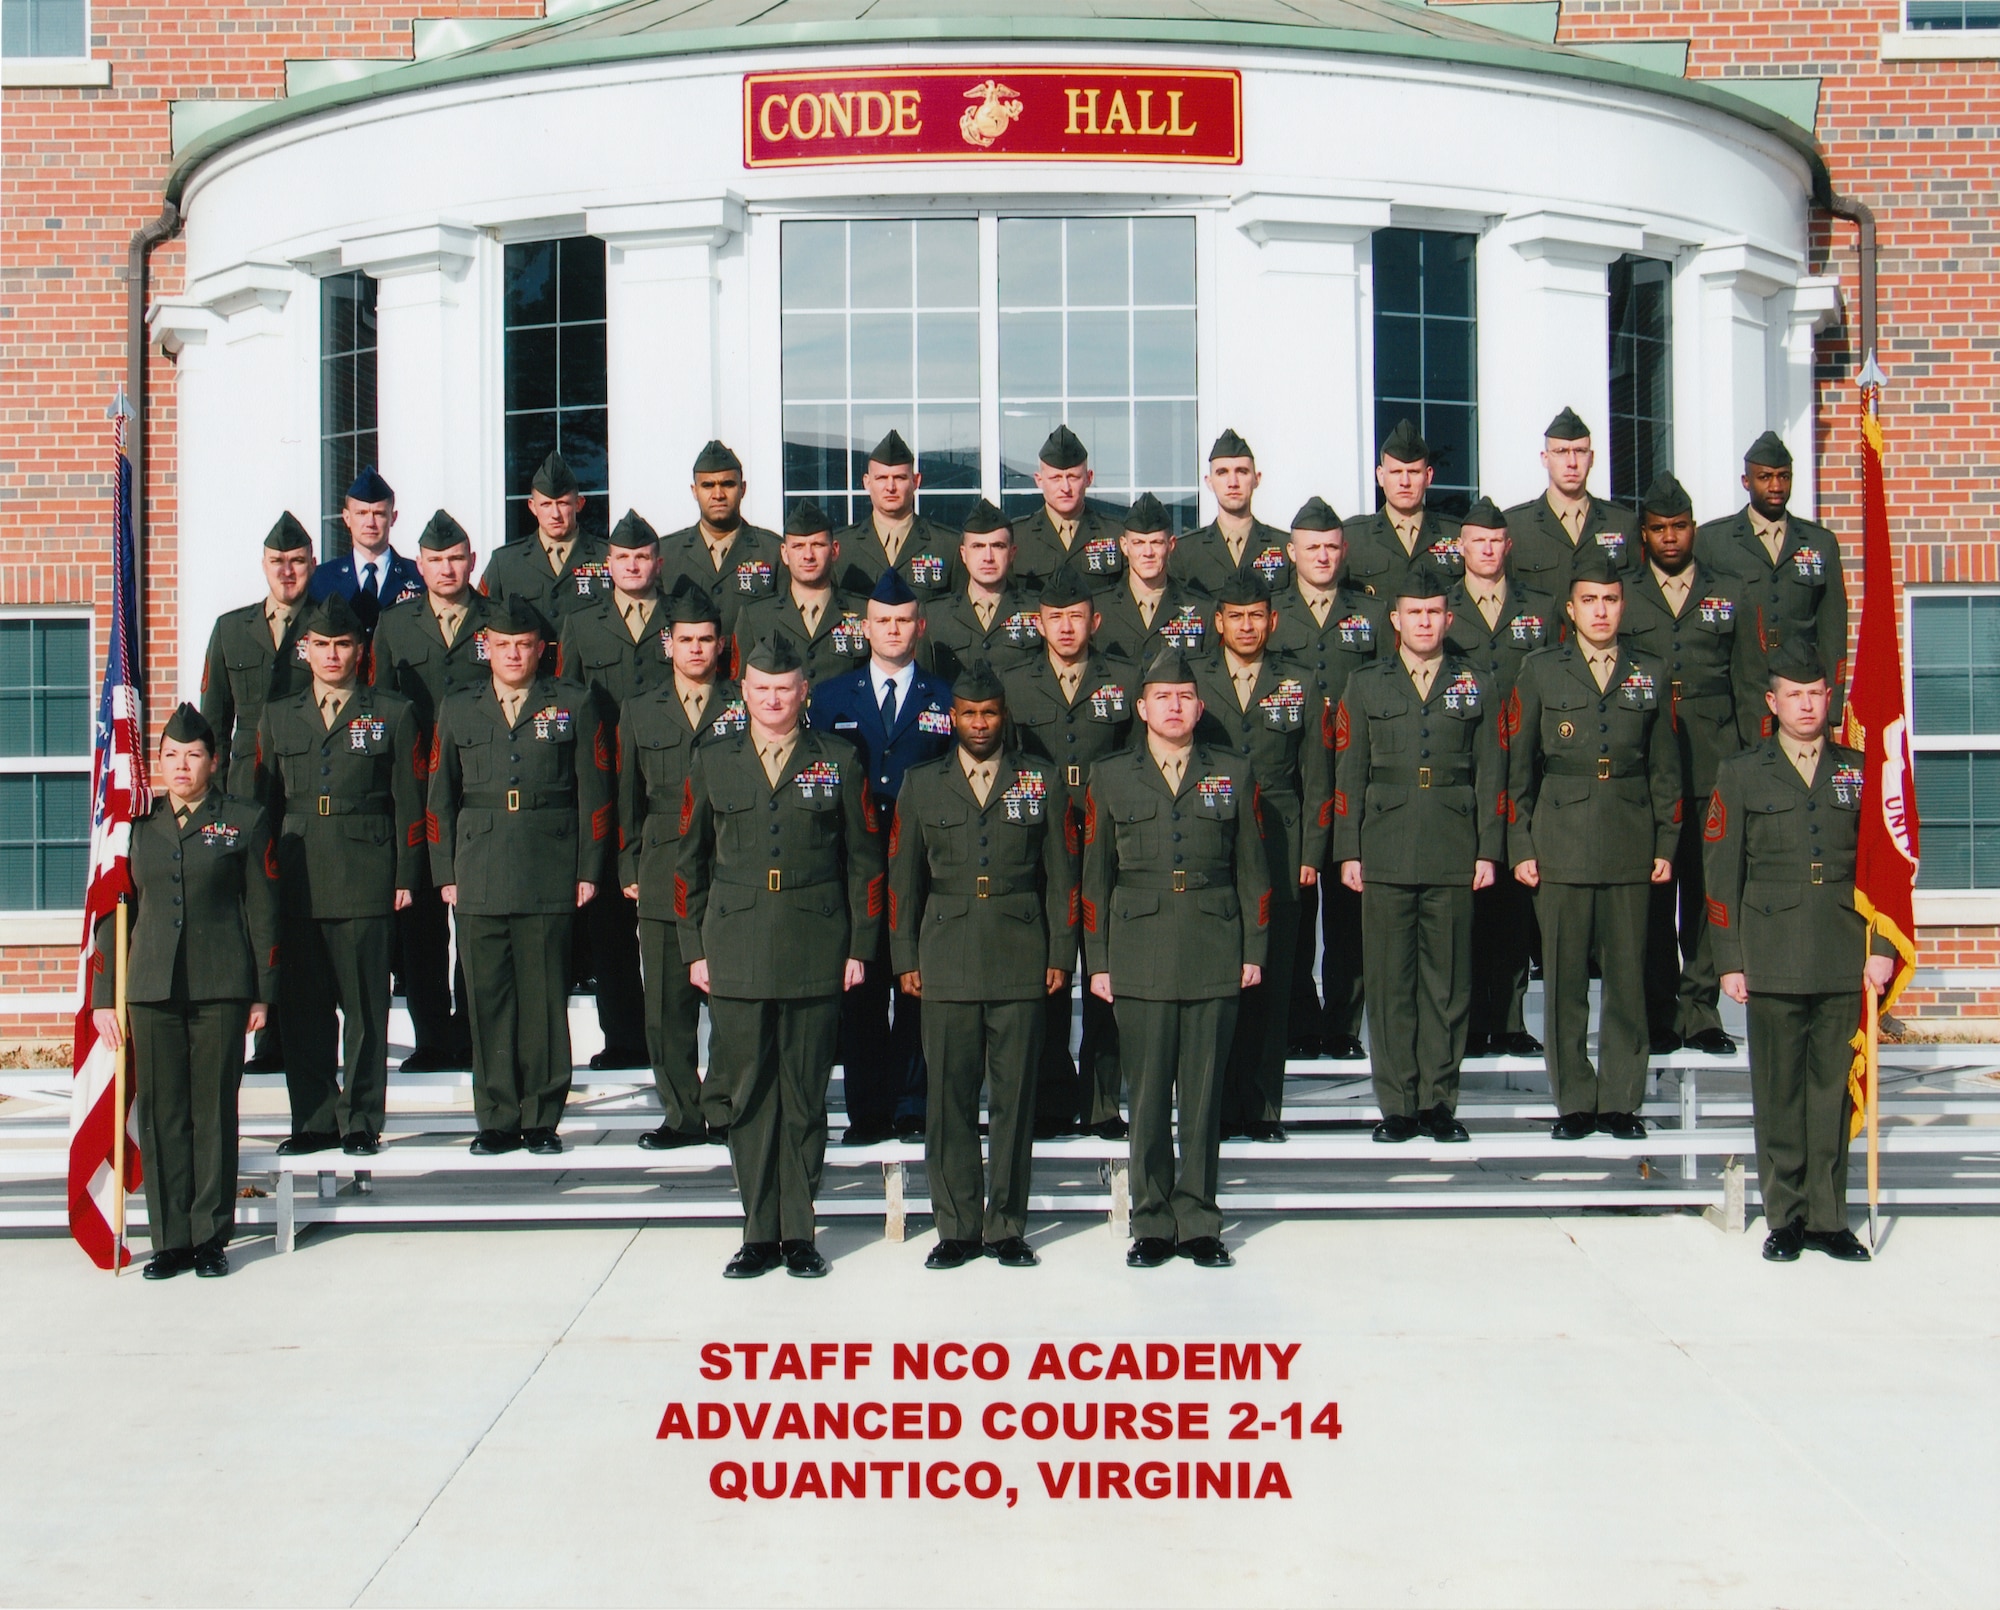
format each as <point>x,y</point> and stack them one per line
<point>1790,569</point>
<point>1780,838</point>
<point>1235,540</point>
<point>1548,529</point>
<point>201,967</point>
<point>520,824</point>
<point>982,927</point>
<point>1067,526</point>
<point>829,624</point>
<point>1404,530</point>
<point>779,897</point>
<point>893,535</point>
<point>1176,920</point>
<point>1417,827</point>
<point>1149,608</point>
<point>561,566</point>
<point>337,770</point>
<point>1679,610</point>
<point>993,619</point>
<point>1496,623</point>
<point>658,734</point>
<point>1071,706</point>
<point>1594,790</point>
<point>722,553</point>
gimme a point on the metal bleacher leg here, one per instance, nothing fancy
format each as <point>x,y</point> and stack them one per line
<point>329,1186</point>
<point>1730,1215</point>
<point>288,1224</point>
<point>894,1224</point>
<point>1117,1173</point>
<point>1690,1121</point>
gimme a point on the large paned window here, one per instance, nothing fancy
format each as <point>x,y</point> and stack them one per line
<point>1952,14</point>
<point>347,439</point>
<point>556,389</point>
<point>881,333</point>
<point>1097,327</point>
<point>1426,352</point>
<point>1955,736</point>
<point>44,28</point>
<point>1642,375</point>
<point>45,721</point>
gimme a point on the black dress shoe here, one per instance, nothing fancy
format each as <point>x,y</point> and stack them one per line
<point>425,1060</point>
<point>1478,1045</point>
<point>1518,1044</point>
<point>802,1259</point>
<point>210,1261</point>
<point>1621,1126</point>
<point>1207,1251</point>
<point>306,1142</point>
<point>1112,1129</point>
<point>1664,1043</point>
<point>1013,1253</point>
<point>951,1254</point>
<point>1782,1244</point>
<point>1235,1129</point>
<point>718,1134</point>
<point>1842,1244</point>
<point>667,1139</point>
<point>1711,1042</point>
<point>1149,1252</point>
<point>1054,1128</point>
<point>1574,1126</point>
<point>752,1259</point>
<point>1267,1131</point>
<point>1346,1048</point>
<point>492,1142</point>
<point>543,1142</point>
<point>865,1135</point>
<point>164,1265</point>
<point>1440,1123</point>
<point>910,1126</point>
<point>1396,1128</point>
<point>1305,1047</point>
<point>612,1058</point>
<point>265,1064</point>
<point>360,1144</point>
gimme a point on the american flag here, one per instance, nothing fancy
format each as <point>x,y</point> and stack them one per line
<point>119,793</point>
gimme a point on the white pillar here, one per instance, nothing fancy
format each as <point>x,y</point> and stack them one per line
<point>437,379</point>
<point>1735,349</point>
<point>1806,309</point>
<point>1298,288</point>
<point>1544,340</point>
<point>664,349</point>
<point>247,436</point>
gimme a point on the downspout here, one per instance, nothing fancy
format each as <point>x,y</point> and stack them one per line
<point>162,228</point>
<point>1858,214</point>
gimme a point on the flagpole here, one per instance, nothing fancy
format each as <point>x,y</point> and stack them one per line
<point>119,1062</point>
<point>1872,1090</point>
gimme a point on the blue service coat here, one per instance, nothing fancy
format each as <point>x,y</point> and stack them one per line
<point>845,706</point>
<point>338,577</point>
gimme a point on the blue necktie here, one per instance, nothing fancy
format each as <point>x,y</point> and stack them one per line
<point>368,587</point>
<point>888,706</point>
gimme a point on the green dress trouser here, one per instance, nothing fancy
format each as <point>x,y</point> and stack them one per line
<point>1682,986</point>
<point>1417,945</point>
<point>673,1035</point>
<point>336,963</point>
<point>1610,919</point>
<point>188,1060</point>
<point>517,973</point>
<point>1170,1049</point>
<point>968,1044</point>
<point>1087,1087</point>
<point>1503,934</point>
<point>1800,1052</point>
<point>777,1057</point>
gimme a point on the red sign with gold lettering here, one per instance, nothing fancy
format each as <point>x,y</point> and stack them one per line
<point>993,114</point>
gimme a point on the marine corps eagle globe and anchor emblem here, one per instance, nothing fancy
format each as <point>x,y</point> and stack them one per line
<point>998,107</point>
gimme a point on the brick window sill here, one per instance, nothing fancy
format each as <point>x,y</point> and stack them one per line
<point>53,72</point>
<point>1970,909</point>
<point>1942,44</point>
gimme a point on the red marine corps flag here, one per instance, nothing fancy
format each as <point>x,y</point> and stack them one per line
<point>119,793</point>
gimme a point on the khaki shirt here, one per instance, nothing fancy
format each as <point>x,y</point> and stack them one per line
<point>1570,516</point>
<point>1321,604</point>
<point>1804,757</point>
<point>510,701</point>
<point>449,617</point>
<point>811,605</point>
<point>1422,672</point>
<point>693,696</point>
<point>1675,588</point>
<point>1488,597</point>
<point>1243,677</point>
<point>894,533</point>
<point>1602,663</point>
<point>279,618</point>
<point>1409,529</point>
<point>774,756</point>
<point>1068,677</point>
<point>636,613</point>
<point>1769,532</point>
<point>558,553</point>
<point>980,773</point>
<point>330,701</point>
<point>1147,598</point>
<point>1172,762</point>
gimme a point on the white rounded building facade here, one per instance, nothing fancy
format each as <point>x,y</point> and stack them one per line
<point>1156,229</point>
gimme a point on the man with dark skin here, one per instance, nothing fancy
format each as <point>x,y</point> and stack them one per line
<point>725,555</point>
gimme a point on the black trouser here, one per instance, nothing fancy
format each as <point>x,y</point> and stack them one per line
<point>673,1034</point>
<point>1682,987</point>
<point>611,930</point>
<point>431,984</point>
<point>1419,945</point>
<point>777,1057</point>
<point>188,1060</point>
<point>1086,1088</point>
<point>1341,964</point>
<point>1305,1019</point>
<point>1609,921</point>
<point>1254,1082</point>
<point>968,1044</point>
<point>1174,1051</point>
<point>1503,928</point>
<point>1800,1051</point>
<point>882,1064</point>
<point>329,963</point>
<point>517,970</point>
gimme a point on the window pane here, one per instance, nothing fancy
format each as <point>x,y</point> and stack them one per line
<point>883,357</point>
<point>1030,262</point>
<point>947,265</point>
<point>1426,351</point>
<point>1023,429</point>
<point>45,691</point>
<point>1031,354</point>
<point>948,355</point>
<point>950,459</point>
<point>882,264</point>
<point>1642,437</point>
<point>347,419</point>
<point>555,364</point>
<point>1099,361</point>
<point>815,448</point>
<point>42,28</point>
<point>583,381</point>
<point>531,283</point>
<point>1447,359</point>
<point>1447,270</point>
<point>1099,262</point>
<point>1398,271</point>
<point>1163,262</point>
<point>1163,353</point>
<point>580,284</point>
<point>814,265</point>
<point>531,368</point>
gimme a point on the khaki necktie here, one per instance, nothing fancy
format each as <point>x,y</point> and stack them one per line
<point>894,536</point>
<point>984,612</point>
<point>182,814</point>
<point>1236,542</point>
<point>1321,605</point>
<point>280,622</point>
<point>980,774</point>
<point>810,610</point>
<point>1422,674</point>
<point>1245,680</point>
<point>718,549</point>
<point>1173,768</point>
<point>1069,678</point>
<point>557,553</point>
<point>1805,760</point>
<point>693,701</point>
<point>1675,589</point>
<point>1601,667</point>
<point>1149,603</point>
<point>1489,604</point>
<point>637,612</point>
<point>331,703</point>
<point>511,702</point>
<point>774,756</point>
<point>1408,532</point>
<point>1771,533</point>
<point>1065,530</point>
<point>449,618</point>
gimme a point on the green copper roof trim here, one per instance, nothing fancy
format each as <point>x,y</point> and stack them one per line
<point>491,62</point>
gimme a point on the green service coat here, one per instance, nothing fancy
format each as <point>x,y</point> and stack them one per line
<point>1095,553</point>
<point>928,559</point>
<point>751,567</point>
<point>1071,737</point>
<point>1356,633</point>
<point>839,643</point>
<point>1202,557</point>
<point>1181,621</point>
<point>1543,553</point>
<point>656,746</point>
<point>240,674</point>
<point>1375,558</point>
<point>1705,650</point>
<point>957,642</point>
<point>412,658</point>
<point>1803,595</point>
<point>1287,735</point>
<point>597,652</point>
<point>1528,621</point>
<point>520,569</point>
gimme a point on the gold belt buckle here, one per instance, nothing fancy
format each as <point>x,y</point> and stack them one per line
<point>1075,775</point>
<point>513,799</point>
<point>1818,872</point>
<point>1180,883</point>
<point>1677,687</point>
<point>1604,768</point>
<point>1423,777</point>
<point>326,804</point>
<point>773,880</point>
<point>982,888</point>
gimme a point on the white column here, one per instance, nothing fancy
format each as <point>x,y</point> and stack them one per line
<point>436,378</point>
<point>1544,339</point>
<point>1735,348</point>
<point>246,437</point>
<point>1295,286</point>
<point>1805,310</point>
<point>661,296</point>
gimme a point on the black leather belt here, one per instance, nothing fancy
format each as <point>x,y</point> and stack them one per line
<point>984,888</point>
<point>364,805</point>
<point>1173,882</point>
<point>1604,768</point>
<point>1421,776</point>
<point>774,882</point>
<point>521,799</point>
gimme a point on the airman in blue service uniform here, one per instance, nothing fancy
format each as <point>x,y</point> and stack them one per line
<point>829,623</point>
<point>1496,623</point>
<point>1405,530</point>
<point>1782,825</point>
<point>982,925</point>
<point>201,966</point>
<point>897,715</point>
<point>1548,529</point>
<point>722,553</point>
<point>561,567</point>
<point>1790,569</point>
<point>371,576</point>
<point>1235,540</point>
<point>892,535</point>
<point>1176,916</point>
<point>992,617</point>
<point>1149,608</point>
<point>1067,526</point>
<point>779,898</point>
